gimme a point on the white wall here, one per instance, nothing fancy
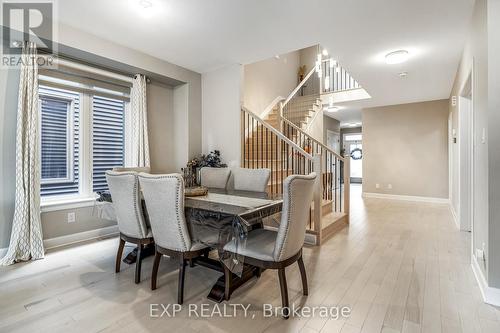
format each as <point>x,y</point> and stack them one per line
<point>221,100</point>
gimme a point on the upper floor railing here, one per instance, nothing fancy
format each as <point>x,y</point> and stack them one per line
<point>335,78</point>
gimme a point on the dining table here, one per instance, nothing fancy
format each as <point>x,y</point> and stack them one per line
<point>221,216</point>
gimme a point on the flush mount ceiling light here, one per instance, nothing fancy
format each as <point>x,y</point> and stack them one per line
<point>396,57</point>
<point>403,74</point>
<point>325,52</point>
<point>331,109</point>
<point>145,4</point>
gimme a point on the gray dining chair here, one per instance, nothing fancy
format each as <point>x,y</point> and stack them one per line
<point>268,249</point>
<point>164,197</point>
<point>214,177</point>
<point>254,180</point>
<point>125,193</point>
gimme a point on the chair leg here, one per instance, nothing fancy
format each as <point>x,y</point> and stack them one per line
<point>138,263</point>
<point>182,273</point>
<point>119,255</point>
<point>154,274</point>
<point>228,282</point>
<point>303,276</point>
<point>191,263</point>
<point>284,293</point>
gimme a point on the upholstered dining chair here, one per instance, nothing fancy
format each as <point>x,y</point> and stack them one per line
<point>164,196</point>
<point>124,189</point>
<point>267,249</point>
<point>135,169</point>
<point>254,180</point>
<point>214,177</point>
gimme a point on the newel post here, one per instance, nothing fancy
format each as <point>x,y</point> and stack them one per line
<point>280,116</point>
<point>318,196</point>
<point>347,187</point>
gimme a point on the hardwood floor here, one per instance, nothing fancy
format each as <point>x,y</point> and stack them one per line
<point>400,266</point>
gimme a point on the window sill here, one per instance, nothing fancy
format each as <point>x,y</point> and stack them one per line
<point>51,205</point>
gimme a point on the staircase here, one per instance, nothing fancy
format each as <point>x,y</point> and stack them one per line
<point>281,143</point>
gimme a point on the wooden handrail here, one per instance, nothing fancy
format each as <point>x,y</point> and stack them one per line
<point>312,139</point>
<point>299,86</point>
<point>277,133</point>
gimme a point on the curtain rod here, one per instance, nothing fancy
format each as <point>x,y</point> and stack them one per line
<point>93,70</point>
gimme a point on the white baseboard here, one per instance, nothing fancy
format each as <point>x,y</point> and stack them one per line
<point>490,295</point>
<point>80,237</point>
<point>406,198</point>
<point>455,216</point>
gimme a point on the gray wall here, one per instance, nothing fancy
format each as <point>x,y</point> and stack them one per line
<point>174,115</point>
<point>475,55</point>
<point>494,141</point>
<point>9,81</point>
<point>331,124</point>
<point>265,80</point>
<point>406,146</point>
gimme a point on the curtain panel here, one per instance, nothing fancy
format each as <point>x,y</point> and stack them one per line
<point>26,241</point>
<point>139,123</point>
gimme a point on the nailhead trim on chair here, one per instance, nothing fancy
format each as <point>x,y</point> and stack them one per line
<point>177,208</point>
<point>135,194</point>
<point>290,202</point>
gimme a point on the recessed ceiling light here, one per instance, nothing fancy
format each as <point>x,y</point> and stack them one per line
<point>145,4</point>
<point>396,57</point>
<point>403,74</point>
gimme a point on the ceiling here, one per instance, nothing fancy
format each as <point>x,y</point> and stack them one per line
<point>205,35</point>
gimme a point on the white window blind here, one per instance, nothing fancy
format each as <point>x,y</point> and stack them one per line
<point>108,141</point>
<point>60,110</point>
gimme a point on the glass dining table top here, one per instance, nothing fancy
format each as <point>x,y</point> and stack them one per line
<point>233,202</point>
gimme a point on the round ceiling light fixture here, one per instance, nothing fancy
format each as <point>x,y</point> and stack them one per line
<point>145,4</point>
<point>396,57</point>
<point>332,109</point>
<point>325,52</point>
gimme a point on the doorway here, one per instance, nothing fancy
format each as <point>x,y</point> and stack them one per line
<point>353,145</point>
<point>462,163</point>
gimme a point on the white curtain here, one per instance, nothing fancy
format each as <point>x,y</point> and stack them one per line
<point>26,241</point>
<point>139,123</point>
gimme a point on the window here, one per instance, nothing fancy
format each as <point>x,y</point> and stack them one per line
<point>82,135</point>
<point>108,141</point>
<point>60,111</point>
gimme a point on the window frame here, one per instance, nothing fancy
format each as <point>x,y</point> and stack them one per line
<point>86,196</point>
<point>70,122</point>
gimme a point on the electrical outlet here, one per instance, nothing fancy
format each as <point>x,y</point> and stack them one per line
<point>71,217</point>
<point>389,186</point>
<point>377,185</point>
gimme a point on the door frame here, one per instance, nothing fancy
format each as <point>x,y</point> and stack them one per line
<point>346,146</point>
<point>466,155</point>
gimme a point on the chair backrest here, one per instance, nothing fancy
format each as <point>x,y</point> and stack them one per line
<point>164,196</point>
<point>254,180</point>
<point>124,188</point>
<point>297,198</point>
<point>214,177</point>
<point>136,169</point>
